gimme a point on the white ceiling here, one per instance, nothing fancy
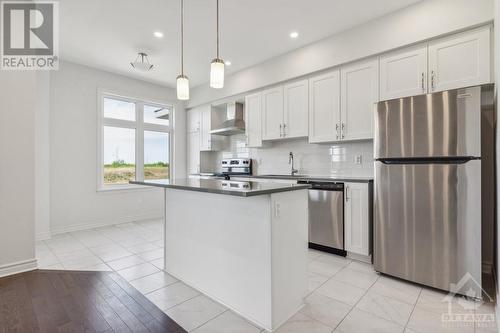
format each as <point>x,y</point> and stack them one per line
<point>108,34</point>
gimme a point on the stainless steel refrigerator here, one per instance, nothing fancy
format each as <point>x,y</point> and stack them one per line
<point>427,209</point>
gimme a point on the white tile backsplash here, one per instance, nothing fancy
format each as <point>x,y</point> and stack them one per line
<point>313,159</point>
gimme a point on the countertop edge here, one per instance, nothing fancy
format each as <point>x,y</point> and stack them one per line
<point>353,180</point>
<point>226,192</point>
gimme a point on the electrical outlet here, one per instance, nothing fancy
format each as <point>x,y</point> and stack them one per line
<point>358,159</point>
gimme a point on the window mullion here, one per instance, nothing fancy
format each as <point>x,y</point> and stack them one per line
<point>140,142</point>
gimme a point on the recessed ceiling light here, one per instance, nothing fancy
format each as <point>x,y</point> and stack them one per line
<point>227,62</point>
<point>294,34</point>
<point>158,34</point>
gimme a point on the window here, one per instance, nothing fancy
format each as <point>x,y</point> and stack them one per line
<point>135,141</point>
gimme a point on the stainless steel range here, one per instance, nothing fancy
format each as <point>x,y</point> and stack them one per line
<point>236,166</point>
<point>231,167</point>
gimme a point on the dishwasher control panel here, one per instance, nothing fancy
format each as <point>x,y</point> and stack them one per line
<point>327,186</point>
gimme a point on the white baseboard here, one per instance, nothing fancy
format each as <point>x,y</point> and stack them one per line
<point>98,224</point>
<point>359,257</point>
<point>18,267</point>
<point>43,236</point>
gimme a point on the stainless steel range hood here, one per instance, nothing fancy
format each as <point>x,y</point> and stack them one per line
<point>234,123</point>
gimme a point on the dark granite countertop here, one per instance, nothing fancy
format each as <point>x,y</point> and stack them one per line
<point>331,178</point>
<point>218,186</point>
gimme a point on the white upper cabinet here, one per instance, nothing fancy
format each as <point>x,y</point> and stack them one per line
<point>359,92</point>
<point>357,219</point>
<point>403,73</point>
<point>193,120</point>
<point>199,121</point>
<point>324,107</point>
<point>193,157</point>
<point>272,113</point>
<point>460,60</point>
<point>296,109</point>
<point>253,120</point>
<point>206,127</point>
<point>193,140</point>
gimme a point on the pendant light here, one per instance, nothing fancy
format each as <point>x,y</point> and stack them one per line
<point>182,80</point>
<point>217,65</point>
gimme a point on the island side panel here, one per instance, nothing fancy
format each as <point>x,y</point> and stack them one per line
<point>289,247</point>
<point>221,245</point>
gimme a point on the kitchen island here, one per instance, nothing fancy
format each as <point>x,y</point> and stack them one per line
<point>243,243</point>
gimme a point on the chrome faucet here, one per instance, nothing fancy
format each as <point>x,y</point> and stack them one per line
<point>293,171</point>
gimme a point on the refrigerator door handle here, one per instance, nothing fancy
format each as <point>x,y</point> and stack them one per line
<point>426,160</point>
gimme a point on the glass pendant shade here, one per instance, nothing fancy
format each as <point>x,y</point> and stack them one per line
<point>182,88</point>
<point>217,74</point>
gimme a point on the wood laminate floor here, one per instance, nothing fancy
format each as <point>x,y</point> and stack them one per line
<point>72,301</point>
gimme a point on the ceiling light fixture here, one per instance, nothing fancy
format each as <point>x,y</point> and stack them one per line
<point>182,80</point>
<point>158,34</point>
<point>142,62</point>
<point>294,34</point>
<point>217,65</point>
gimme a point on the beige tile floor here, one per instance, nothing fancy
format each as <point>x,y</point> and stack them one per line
<point>344,295</point>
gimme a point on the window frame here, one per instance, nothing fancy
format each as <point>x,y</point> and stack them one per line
<point>139,126</point>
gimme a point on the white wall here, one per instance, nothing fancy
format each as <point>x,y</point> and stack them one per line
<point>422,21</point>
<point>42,157</point>
<point>74,200</point>
<point>18,104</point>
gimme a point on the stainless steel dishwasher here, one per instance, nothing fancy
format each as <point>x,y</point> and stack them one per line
<point>326,217</point>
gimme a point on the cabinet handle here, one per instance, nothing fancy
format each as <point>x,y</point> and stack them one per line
<point>337,130</point>
<point>343,127</point>
<point>281,130</point>
<point>347,193</point>
<point>432,79</point>
<point>284,130</point>
<point>423,78</point>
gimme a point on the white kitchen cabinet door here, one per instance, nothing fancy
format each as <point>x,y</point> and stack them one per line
<point>461,60</point>
<point>193,153</point>
<point>205,128</point>
<point>193,120</point>
<point>253,120</point>
<point>324,107</point>
<point>403,73</point>
<point>296,109</point>
<point>356,214</point>
<point>272,113</point>
<point>359,93</point>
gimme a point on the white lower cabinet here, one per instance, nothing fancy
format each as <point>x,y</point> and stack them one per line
<point>357,218</point>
